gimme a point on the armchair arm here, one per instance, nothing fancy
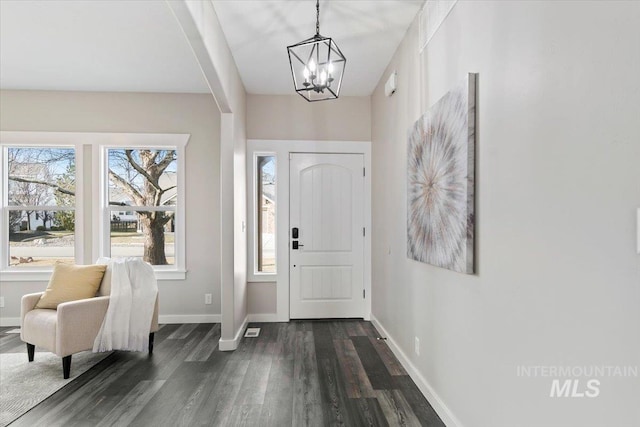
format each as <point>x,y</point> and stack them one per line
<point>28,303</point>
<point>78,324</point>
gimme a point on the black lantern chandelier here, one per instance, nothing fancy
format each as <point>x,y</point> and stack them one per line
<point>317,66</point>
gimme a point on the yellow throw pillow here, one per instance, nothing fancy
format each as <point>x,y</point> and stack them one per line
<point>71,283</point>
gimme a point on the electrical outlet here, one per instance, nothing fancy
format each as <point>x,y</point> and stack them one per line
<point>207,299</point>
<point>417,346</point>
<point>1,302</point>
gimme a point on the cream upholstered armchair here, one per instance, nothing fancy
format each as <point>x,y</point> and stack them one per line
<point>71,328</point>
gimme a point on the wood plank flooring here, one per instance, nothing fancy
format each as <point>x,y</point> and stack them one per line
<point>301,373</point>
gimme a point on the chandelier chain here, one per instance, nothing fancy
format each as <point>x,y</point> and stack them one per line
<point>317,17</point>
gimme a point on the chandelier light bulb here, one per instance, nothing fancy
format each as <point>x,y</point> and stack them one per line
<point>323,77</point>
<point>312,66</point>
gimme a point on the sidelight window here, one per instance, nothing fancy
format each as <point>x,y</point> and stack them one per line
<point>265,214</point>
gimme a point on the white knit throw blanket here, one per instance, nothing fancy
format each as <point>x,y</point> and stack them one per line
<point>134,289</point>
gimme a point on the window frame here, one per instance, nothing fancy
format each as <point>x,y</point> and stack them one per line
<point>253,275</point>
<point>89,242</point>
<point>102,210</point>
<point>178,269</point>
<point>36,140</point>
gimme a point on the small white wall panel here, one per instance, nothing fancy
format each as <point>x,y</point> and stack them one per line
<point>432,16</point>
<point>326,282</point>
<point>326,225</point>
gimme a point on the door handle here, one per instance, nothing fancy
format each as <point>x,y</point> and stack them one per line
<point>296,245</point>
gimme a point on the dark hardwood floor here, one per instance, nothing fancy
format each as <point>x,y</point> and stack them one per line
<point>302,373</point>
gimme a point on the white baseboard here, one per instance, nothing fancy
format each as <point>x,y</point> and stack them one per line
<point>449,419</point>
<point>189,318</point>
<point>263,317</point>
<point>9,321</point>
<point>230,345</point>
<point>166,318</point>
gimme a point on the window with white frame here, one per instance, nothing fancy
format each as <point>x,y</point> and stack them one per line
<point>142,195</point>
<point>38,206</point>
<point>265,214</point>
<point>134,208</point>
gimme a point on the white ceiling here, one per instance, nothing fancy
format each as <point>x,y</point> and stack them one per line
<point>138,46</point>
<point>95,45</point>
<point>367,32</point>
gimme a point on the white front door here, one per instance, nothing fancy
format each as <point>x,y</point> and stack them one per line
<point>327,213</point>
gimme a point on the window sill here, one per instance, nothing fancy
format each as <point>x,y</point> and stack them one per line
<point>262,278</point>
<point>25,276</point>
<point>45,275</point>
<point>171,274</point>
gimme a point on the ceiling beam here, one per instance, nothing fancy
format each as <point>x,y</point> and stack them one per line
<point>201,27</point>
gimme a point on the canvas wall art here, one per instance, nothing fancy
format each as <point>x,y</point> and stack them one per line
<point>441,158</point>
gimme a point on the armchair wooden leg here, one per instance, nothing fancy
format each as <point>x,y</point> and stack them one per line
<point>151,336</point>
<point>66,366</point>
<point>31,349</point>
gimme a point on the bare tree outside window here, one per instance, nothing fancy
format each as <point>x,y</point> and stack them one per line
<point>35,236</point>
<point>143,178</point>
<point>142,195</point>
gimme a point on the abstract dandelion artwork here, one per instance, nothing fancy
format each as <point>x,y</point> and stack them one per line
<point>441,157</point>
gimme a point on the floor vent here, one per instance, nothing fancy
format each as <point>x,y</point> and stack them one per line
<point>252,333</point>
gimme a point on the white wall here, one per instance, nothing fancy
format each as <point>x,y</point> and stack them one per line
<point>240,210</point>
<point>202,28</point>
<point>197,115</point>
<point>558,184</point>
<point>262,298</point>
<point>291,118</point>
